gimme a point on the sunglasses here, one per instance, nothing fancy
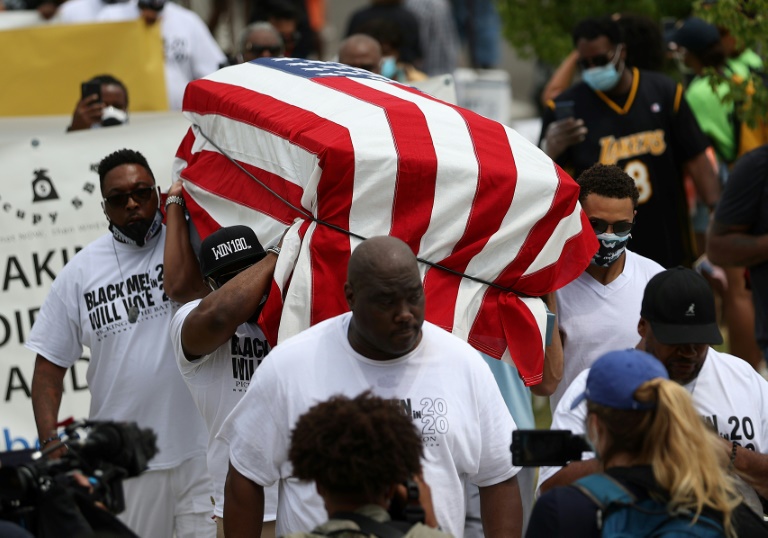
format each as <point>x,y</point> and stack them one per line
<point>215,282</point>
<point>367,67</point>
<point>153,5</point>
<point>601,60</point>
<point>258,50</point>
<point>620,228</point>
<point>118,201</point>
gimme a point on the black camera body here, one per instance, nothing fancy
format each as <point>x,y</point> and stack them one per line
<point>536,448</point>
<point>408,509</point>
<point>105,452</point>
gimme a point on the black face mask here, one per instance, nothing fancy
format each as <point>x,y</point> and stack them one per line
<point>137,233</point>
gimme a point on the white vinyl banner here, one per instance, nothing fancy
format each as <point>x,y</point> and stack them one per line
<point>50,207</point>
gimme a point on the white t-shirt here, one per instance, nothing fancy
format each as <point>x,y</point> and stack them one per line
<point>131,374</point>
<point>217,382</point>
<point>190,50</point>
<point>595,319</point>
<point>443,384</point>
<point>728,393</point>
<point>80,11</point>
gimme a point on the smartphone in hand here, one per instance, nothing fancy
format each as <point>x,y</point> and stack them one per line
<point>90,88</point>
<point>564,109</point>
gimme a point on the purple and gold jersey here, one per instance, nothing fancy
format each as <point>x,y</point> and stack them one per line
<point>650,135</point>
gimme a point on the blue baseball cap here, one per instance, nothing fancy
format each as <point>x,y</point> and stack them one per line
<point>615,376</point>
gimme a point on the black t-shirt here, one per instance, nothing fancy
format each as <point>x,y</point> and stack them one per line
<point>744,202</point>
<point>651,134</point>
<point>566,512</point>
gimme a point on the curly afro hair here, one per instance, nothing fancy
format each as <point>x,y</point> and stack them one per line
<point>362,445</point>
<point>609,181</point>
<point>593,27</point>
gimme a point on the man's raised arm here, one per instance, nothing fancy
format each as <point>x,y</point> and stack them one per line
<point>218,315</point>
<point>182,281</point>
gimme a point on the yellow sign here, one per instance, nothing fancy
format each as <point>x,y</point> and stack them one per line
<point>43,66</point>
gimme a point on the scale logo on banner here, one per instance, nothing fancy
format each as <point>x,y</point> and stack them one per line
<point>50,208</point>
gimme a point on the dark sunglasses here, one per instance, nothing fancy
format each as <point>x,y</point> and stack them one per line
<point>215,282</point>
<point>153,5</point>
<point>599,61</point>
<point>367,67</point>
<point>620,228</point>
<point>258,50</point>
<point>118,201</point>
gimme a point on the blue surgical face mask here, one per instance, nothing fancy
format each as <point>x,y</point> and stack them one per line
<point>389,67</point>
<point>611,248</point>
<point>604,77</point>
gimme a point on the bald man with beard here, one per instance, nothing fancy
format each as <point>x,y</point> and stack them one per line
<point>383,345</point>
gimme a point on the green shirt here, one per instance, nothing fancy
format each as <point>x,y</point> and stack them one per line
<point>714,116</point>
<point>374,512</point>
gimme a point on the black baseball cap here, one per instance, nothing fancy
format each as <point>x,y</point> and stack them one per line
<point>680,306</point>
<point>226,247</point>
<point>696,35</point>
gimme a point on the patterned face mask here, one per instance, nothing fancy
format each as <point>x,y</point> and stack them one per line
<point>611,248</point>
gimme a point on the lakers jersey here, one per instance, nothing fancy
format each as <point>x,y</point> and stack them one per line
<point>650,133</point>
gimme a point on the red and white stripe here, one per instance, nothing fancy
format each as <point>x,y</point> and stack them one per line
<point>381,158</point>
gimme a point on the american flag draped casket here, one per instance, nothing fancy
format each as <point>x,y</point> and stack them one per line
<point>327,149</point>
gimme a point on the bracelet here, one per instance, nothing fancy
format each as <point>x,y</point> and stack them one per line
<point>43,443</point>
<point>274,249</point>
<point>733,453</point>
<point>174,200</point>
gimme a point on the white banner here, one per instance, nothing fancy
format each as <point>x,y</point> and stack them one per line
<point>50,207</point>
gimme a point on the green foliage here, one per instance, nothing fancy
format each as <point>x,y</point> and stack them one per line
<point>542,28</point>
<point>747,22</point>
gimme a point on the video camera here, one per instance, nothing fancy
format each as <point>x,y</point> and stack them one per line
<point>536,448</point>
<point>104,452</point>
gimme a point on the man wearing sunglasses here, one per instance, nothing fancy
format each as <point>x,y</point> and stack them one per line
<point>110,298</point>
<point>637,120</point>
<point>189,49</point>
<point>215,335</point>
<point>598,311</point>
<point>260,40</point>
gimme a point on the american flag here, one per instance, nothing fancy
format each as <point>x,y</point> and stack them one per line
<point>375,157</point>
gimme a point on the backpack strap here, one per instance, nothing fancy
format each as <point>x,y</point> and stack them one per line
<point>367,526</point>
<point>604,490</point>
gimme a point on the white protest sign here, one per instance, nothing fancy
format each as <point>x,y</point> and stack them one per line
<point>50,207</point>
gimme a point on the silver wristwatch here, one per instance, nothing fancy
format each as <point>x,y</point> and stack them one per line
<point>174,200</point>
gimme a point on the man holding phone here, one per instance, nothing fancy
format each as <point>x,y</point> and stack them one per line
<point>637,120</point>
<point>103,103</point>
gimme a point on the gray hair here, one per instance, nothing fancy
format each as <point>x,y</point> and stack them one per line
<point>261,25</point>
